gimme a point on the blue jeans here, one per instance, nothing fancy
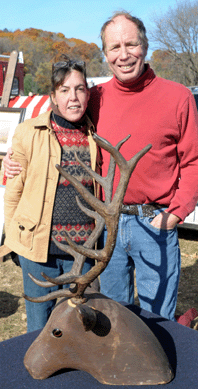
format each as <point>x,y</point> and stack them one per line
<point>38,313</point>
<point>155,255</point>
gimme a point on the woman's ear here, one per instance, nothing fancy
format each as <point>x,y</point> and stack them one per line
<point>53,98</point>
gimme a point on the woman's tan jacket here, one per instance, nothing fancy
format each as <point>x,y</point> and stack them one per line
<point>29,197</point>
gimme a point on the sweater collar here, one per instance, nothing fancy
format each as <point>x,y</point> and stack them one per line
<point>145,79</point>
<point>62,122</point>
<point>43,122</point>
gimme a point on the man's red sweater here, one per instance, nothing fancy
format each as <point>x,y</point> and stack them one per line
<point>163,113</point>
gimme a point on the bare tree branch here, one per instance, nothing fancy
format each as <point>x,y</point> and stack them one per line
<point>176,32</point>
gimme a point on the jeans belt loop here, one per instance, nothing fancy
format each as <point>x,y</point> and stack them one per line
<point>140,211</point>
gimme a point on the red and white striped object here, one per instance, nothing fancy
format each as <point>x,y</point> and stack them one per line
<point>35,105</point>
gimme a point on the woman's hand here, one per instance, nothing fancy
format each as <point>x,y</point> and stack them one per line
<point>11,168</point>
<point>165,221</point>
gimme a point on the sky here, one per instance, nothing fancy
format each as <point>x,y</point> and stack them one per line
<point>80,19</point>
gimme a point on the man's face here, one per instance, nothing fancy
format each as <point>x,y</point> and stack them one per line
<point>124,52</point>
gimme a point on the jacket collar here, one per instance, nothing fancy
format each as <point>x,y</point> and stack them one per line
<point>42,122</point>
<point>90,126</point>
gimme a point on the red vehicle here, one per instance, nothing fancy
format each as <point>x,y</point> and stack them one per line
<point>18,84</point>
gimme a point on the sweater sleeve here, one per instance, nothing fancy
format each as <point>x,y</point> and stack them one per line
<point>186,196</point>
<point>14,186</point>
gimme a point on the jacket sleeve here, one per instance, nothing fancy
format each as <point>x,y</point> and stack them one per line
<point>14,186</point>
<point>186,196</point>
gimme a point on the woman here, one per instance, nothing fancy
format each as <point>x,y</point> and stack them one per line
<point>39,203</point>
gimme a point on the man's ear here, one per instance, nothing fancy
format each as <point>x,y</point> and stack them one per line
<point>145,51</point>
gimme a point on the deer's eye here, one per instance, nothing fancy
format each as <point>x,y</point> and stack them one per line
<point>57,333</point>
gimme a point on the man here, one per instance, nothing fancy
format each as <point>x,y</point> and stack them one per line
<point>162,113</point>
<point>163,189</point>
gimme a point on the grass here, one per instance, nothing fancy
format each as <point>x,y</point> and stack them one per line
<point>12,304</point>
<point>188,286</point>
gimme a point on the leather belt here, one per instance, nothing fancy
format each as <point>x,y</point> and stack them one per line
<point>147,209</point>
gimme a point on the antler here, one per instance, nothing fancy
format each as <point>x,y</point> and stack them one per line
<point>105,212</point>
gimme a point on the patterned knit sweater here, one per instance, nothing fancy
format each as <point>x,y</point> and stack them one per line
<point>67,216</point>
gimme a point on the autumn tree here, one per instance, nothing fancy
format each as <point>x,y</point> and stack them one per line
<point>43,78</point>
<point>161,64</point>
<point>58,48</point>
<point>42,48</point>
<point>176,33</point>
<point>5,46</point>
<point>30,85</point>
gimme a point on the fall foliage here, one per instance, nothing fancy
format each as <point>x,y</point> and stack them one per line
<point>42,48</point>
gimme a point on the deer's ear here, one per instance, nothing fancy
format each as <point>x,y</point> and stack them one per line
<point>88,316</point>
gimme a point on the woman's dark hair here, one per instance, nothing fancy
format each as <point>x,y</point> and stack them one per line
<point>62,68</point>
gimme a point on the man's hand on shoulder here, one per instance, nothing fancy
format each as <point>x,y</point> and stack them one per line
<point>11,168</point>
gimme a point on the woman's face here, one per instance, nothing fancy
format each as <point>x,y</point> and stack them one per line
<point>72,96</point>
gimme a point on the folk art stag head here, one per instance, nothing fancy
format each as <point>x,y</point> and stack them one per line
<point>86,330</point>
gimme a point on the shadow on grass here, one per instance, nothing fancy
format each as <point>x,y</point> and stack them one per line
<point>188,234</point>
<point>188,284</point>
<point>9,304</point>
<point>188,289</point>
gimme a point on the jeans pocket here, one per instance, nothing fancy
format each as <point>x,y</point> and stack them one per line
<point>148,221</point>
